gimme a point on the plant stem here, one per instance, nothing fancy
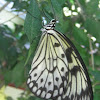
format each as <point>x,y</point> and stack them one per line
<point>91,49</point>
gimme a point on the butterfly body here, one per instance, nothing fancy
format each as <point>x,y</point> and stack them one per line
<point>57,71</point>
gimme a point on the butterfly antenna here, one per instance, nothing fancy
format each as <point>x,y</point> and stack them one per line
<point>53,10</point>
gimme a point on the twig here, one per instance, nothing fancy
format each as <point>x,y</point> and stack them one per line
<point>11,18</point>
<point>97,83</point>
<point>91,49</point>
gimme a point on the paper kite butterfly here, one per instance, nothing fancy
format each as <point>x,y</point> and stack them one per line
<point>57,71</point>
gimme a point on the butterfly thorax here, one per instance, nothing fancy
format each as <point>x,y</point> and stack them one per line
<point>49,26</point>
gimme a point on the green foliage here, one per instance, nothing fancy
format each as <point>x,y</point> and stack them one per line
<point>15,59</point>
<point>20,5</point>
<point>80,35</point>
<point>9,98</point>
<point>19,71</point>
<point>32,26</point>
<point>97,60</point>
<point>29,98</point>
<point>92,27</point>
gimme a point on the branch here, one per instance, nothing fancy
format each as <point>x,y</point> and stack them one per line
<point>5,5</point>
<point>11,18</point>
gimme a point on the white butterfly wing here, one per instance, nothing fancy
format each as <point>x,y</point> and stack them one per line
<point>58,71</point>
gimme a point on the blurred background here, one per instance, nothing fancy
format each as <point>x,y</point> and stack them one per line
<point>19,35</point>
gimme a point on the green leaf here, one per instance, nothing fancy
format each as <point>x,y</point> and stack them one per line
<point>96,95</point>
<point>63,28</point>
<point>93,27</point>
<point>97,15</point>
<point>4,45</point>
<point>96,75</point>
<point>21,98</point>
<point>34,98</point>
<point>71,1</point>
<point>9,98</point>
<point>63,25</point>
<point>12,55</point>
<point>80,36</point>
<point>83,3</point>
<point>92,6</point>
<point>8,77</point>
<point>97,60</point>
<point>33,21</point>
<point>18,74</point>
<point>32,50</point>
<point>83,53</point>
<point>58,9</point>
<point>18,29</point>
<point>97,87</point>
<point>20,5</point>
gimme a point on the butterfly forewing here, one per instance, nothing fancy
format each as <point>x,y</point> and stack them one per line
<point>57,71</point>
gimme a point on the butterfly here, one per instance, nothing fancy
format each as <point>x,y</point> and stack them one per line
<point>57,71</point>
